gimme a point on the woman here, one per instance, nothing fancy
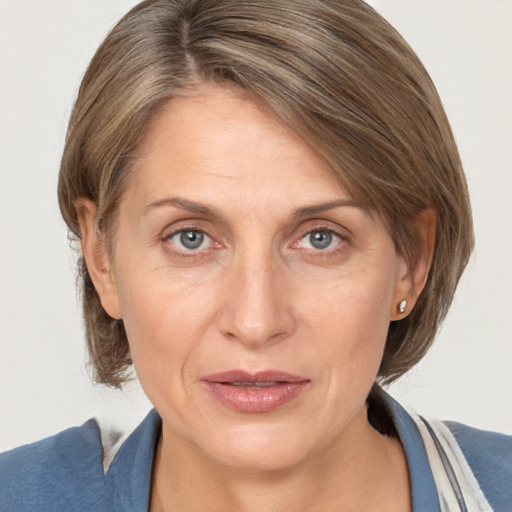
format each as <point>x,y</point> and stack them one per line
<point>273,218</point>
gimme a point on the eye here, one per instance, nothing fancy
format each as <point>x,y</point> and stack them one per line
<point>320,240</point>
<point>190,240</point>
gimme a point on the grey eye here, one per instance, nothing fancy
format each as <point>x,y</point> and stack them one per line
<point>190,240</point>
<point>320,239</point>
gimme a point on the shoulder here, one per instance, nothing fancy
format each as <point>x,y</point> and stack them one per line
<point>81,469</point>
<point>453,462</point>
<point>64,472</point>
<point>489,455</point>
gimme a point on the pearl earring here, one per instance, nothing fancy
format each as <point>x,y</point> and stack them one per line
<point>402,306</point>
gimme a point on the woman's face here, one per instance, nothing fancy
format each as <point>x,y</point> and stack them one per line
<point>256,294</point>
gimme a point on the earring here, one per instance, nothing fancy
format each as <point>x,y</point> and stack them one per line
<point>402,306</point>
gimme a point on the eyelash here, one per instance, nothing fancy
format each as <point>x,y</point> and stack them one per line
<point>199,253</point>
<point>188,254</point>
<point>315,253</point>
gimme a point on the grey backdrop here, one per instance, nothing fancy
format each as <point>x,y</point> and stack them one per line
<point>44,48</point>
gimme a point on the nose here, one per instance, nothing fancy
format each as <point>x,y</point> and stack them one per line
<point>257,307</point>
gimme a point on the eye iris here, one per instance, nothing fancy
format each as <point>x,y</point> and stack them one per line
<point>191,239</point>
<point>320,239</point>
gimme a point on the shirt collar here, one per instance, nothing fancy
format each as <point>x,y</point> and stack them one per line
<point>131,470</point>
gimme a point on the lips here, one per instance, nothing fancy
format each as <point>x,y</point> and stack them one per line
<point>255,393</point>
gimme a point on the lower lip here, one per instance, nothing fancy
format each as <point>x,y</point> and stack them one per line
<point>254,400</point>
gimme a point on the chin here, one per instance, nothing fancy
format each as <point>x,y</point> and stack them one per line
<point>273,449</point>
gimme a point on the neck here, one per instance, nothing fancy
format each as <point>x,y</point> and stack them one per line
<point>361,470</point>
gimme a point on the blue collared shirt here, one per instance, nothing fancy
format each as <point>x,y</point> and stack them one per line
<point>65,472</point>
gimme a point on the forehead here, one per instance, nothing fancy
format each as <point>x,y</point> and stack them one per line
<point>222,138</point>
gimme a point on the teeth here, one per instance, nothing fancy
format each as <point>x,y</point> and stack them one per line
<point>255,384</point>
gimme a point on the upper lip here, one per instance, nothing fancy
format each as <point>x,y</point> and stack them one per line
<point>261,376</point>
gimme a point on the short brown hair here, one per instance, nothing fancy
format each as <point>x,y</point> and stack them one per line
<point>333,70</point>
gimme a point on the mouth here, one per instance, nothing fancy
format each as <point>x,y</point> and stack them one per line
<point>255,393</point>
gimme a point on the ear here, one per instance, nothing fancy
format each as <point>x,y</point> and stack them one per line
<point>95,253</point>
<point>411,281</point>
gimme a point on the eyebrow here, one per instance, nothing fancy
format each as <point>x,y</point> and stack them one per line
<point>330,205</point>
<point>184,204</point>
<point>209,211</point>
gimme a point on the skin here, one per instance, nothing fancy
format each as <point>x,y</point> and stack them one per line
<point>255,295</point>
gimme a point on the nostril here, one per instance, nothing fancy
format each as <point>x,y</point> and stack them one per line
<point>253,311</point>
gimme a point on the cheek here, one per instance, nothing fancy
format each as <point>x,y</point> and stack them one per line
<point>164,318</point>
<point>354,304</point>
<point>351,319</point>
